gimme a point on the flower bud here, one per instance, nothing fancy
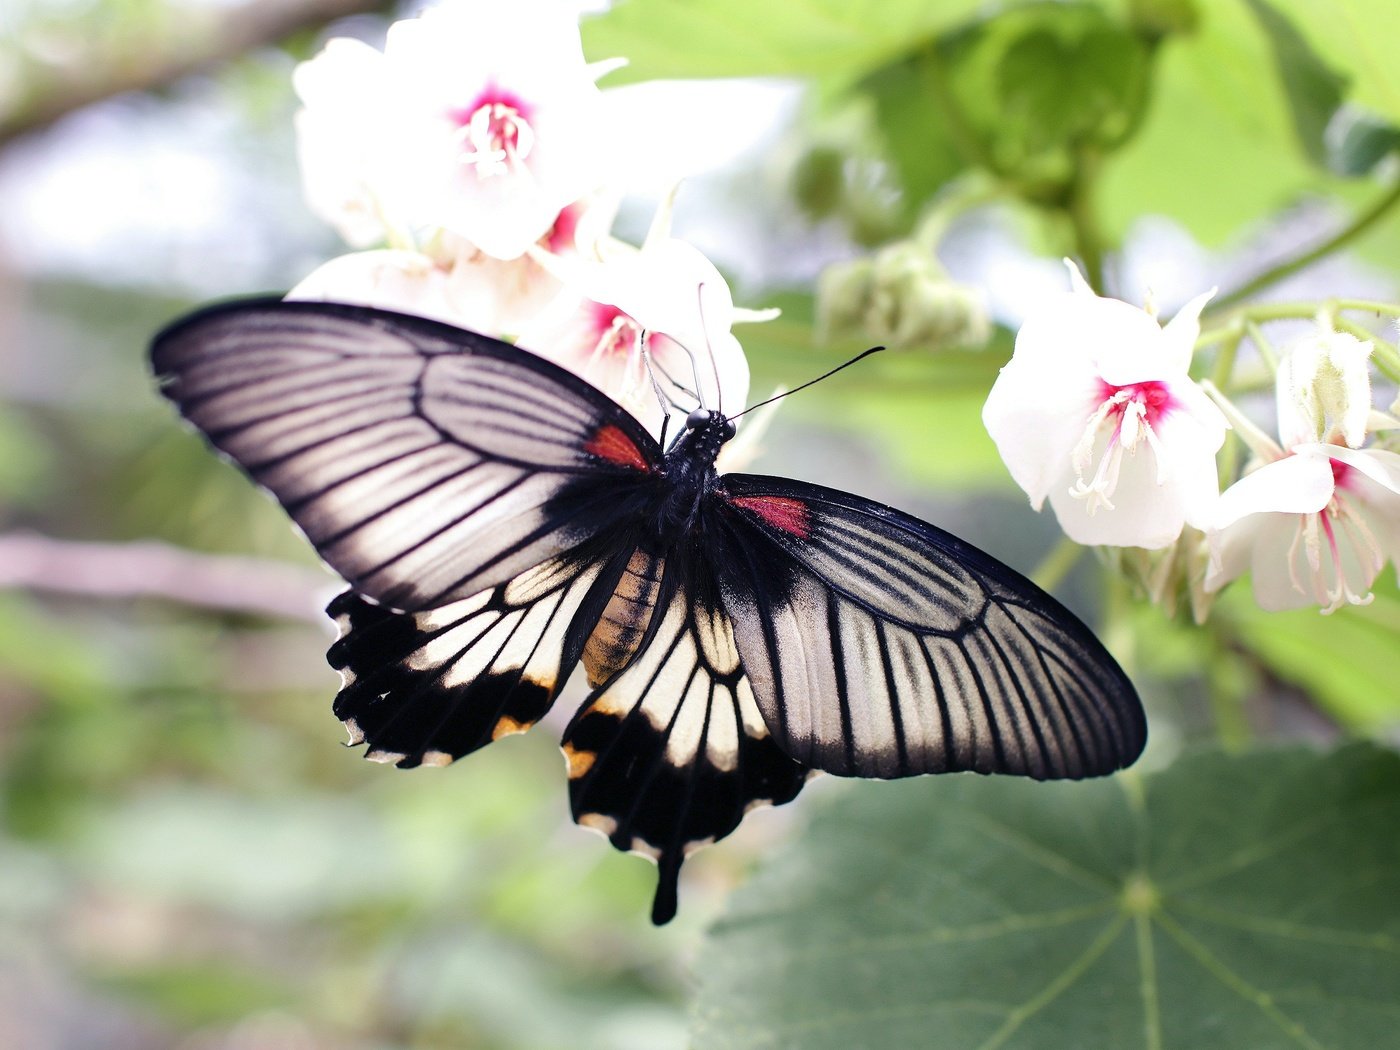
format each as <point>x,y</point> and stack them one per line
<point>1324,387</point>
<point>1172,577</point>
<point>901,297</point>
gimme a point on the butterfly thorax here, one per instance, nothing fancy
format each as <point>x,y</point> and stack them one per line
<point>686,476</point>
<point>689,470</point>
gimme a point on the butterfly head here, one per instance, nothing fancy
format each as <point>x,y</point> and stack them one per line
<point>703,419</point>
<point>699,443</point>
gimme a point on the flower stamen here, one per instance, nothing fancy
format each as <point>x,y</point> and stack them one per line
<point>1134,411</point>
<point>496,138</point>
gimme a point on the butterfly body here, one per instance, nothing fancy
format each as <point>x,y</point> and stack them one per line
<point>500,522</point>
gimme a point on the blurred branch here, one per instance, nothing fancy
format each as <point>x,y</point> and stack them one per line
<point>207,36</point>
<point>227,583</point>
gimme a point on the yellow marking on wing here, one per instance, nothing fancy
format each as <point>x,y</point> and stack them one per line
<point>507,725</point>
<point>580,762</point>
<point>598,822</point>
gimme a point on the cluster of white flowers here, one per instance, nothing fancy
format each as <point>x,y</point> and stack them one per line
<point>1097,411</point>
<point>475,148</point>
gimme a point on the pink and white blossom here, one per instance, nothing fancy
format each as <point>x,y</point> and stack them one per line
<point>1096,412</point>
<point>453,281</point>
<point>478,118</point>
<point>667,292</point>
<point>1316,519</point>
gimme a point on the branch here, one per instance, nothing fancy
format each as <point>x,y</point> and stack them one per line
<point>1359,225</point>
<point>227,583</point>
<point>207,37</point>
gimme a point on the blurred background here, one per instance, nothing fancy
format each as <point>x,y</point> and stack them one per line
<point>188,857</point>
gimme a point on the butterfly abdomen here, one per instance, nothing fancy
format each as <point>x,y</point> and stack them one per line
<point>624,622</point>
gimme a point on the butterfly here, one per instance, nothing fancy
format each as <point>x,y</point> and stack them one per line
<point>499,521</point>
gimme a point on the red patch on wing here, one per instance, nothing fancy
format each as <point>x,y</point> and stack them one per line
<point>612,445</point>
<point>787,515</point>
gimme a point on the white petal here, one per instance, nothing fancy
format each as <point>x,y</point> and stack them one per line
<point>1300,484</point>
<point>1380,466</point>
<point>1231,548</point>
<point>1281,577</point>
<point>1189,439</point>
<point>1264,447</point>
<point>1036,417</point>
<point>389,279</point>
<point>1077,283</point>
<point>1181,332</point>
<point>1144,514</point>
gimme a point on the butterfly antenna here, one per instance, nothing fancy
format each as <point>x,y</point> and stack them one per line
<point>825,375</point>
<point>674,381</point>
<point>709,349</point>
<point>668,403</point>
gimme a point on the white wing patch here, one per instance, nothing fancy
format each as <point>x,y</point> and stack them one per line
<point>671,753</point>
<point>424,688</point>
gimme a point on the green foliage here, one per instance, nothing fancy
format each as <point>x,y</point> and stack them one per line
<point>1224,902</point>
<point>1314,91</point>
<point>725,38</point>
<point>1348,661</point>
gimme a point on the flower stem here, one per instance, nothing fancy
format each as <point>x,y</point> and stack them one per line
<point>1364,221</point>
<point>1080,211</point>
<point>1055,566</point>
<point>1227,687</point>
<point>1385,357</point>
<point>1262,344</point>
<point>1225,358</point>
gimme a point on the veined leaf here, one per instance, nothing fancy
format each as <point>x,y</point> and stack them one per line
<point>1226,902</point>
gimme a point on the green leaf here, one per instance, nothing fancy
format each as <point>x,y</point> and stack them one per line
<point>1216,150</point>
<point>1226,902</point>
<point>1349,661</point>
<point>1017,93</point>
<point>1314,90</point>
<point>727,38</point>
<point>1357,37</point>
<point>1365,140</point>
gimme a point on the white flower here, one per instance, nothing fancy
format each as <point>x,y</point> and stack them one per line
<point>1317,520</point>
<point>1096,411</point>
<point>479,118</point>
<point>667,290</point>
<point>454,282</point>
<point>389,278</point>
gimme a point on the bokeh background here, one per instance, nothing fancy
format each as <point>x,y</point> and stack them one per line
<point>188,857</point>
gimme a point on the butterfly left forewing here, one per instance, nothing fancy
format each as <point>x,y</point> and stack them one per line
<point>425,463</point>
<point>671,752</point>
<point>881,646</point>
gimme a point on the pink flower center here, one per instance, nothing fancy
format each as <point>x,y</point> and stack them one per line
<point>617,333</point>
<point>1129,415</point>
<point>495,132</point>
<point>1341,473</point>
<point>560,237</point>
<point>1151,400</point>
<point>1335,555</point>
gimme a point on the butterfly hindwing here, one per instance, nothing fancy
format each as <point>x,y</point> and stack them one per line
<point>880,646</point>
<point>426,464</point>
<point>670,753</point>
<point>430,687</point>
